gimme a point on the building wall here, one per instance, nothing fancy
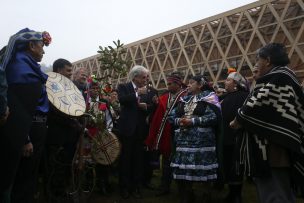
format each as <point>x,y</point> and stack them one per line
<point>211,45</point>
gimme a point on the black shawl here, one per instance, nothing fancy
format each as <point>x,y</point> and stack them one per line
<point>274,109</point>
<point>274,112</point>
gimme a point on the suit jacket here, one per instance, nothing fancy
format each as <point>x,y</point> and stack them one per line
<point>131,118</point>
<point>128,120</point>
<point>147,115</point>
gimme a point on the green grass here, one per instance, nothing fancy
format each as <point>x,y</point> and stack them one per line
<point>249,194</point>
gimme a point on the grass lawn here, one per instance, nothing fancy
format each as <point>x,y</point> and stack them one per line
<point>249,194</point>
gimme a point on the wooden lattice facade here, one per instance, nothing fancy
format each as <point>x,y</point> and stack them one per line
<point>211,45</point>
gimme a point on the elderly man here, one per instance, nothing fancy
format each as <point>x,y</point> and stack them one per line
<point>23,135</point>
<point>130,125</point>
<point>80,79</point>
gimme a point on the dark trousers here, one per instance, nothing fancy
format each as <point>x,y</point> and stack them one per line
<point>10,159</point>
<point>166,178</point>
<point>10,154</point>
<point>147,168</point>
<point>232,173</point>
<point>131,162</point>
<point>276,188</point>
<point>25,184</point>
<point>102,173</point>
<point>58,172</point>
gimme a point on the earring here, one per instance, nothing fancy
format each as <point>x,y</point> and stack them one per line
<point>235,88</point>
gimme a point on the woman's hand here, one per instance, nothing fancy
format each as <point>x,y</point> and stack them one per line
<point>185,122</point>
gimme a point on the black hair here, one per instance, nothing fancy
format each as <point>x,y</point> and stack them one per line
<point>204,81</point>
<point>276,52</point>
<point>59,64</point>
<point>176,74</point>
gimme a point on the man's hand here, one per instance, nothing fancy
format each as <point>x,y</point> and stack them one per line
<point>28,149</point>
<point>142,90</point>
<point>155,99</point>
<point>3,118</point>
<point>143,106</point>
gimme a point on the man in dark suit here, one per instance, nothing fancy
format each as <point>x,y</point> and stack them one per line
<point>131,126</point>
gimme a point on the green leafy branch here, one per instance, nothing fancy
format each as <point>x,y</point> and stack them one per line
<point>114,59</point>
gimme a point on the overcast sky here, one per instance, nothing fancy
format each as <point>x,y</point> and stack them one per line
<point>79,27</point>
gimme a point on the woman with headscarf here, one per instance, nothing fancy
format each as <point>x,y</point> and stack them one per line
<point>273,118</point>
<point>195,156</point>
<point>23,135</point>
<point>237,92</point>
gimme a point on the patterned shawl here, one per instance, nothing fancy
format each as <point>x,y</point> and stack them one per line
<point>273,112</point>
<point>274,109</point>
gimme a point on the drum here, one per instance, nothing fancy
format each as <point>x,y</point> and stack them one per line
<point>64,95</point>
<point>106,148</point>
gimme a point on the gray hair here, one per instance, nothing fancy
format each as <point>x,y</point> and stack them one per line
<point>137,70</point>
<point>76,72</point>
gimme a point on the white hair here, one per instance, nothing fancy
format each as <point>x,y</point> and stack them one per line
<point>77,71</point>
<point>137,70</point>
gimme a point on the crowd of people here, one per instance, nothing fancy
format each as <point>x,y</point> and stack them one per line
<point>203,134</point>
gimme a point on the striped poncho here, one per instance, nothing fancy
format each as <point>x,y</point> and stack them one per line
<point>273,112</point>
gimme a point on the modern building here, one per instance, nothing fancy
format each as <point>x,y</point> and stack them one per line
<point>211,45</point>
